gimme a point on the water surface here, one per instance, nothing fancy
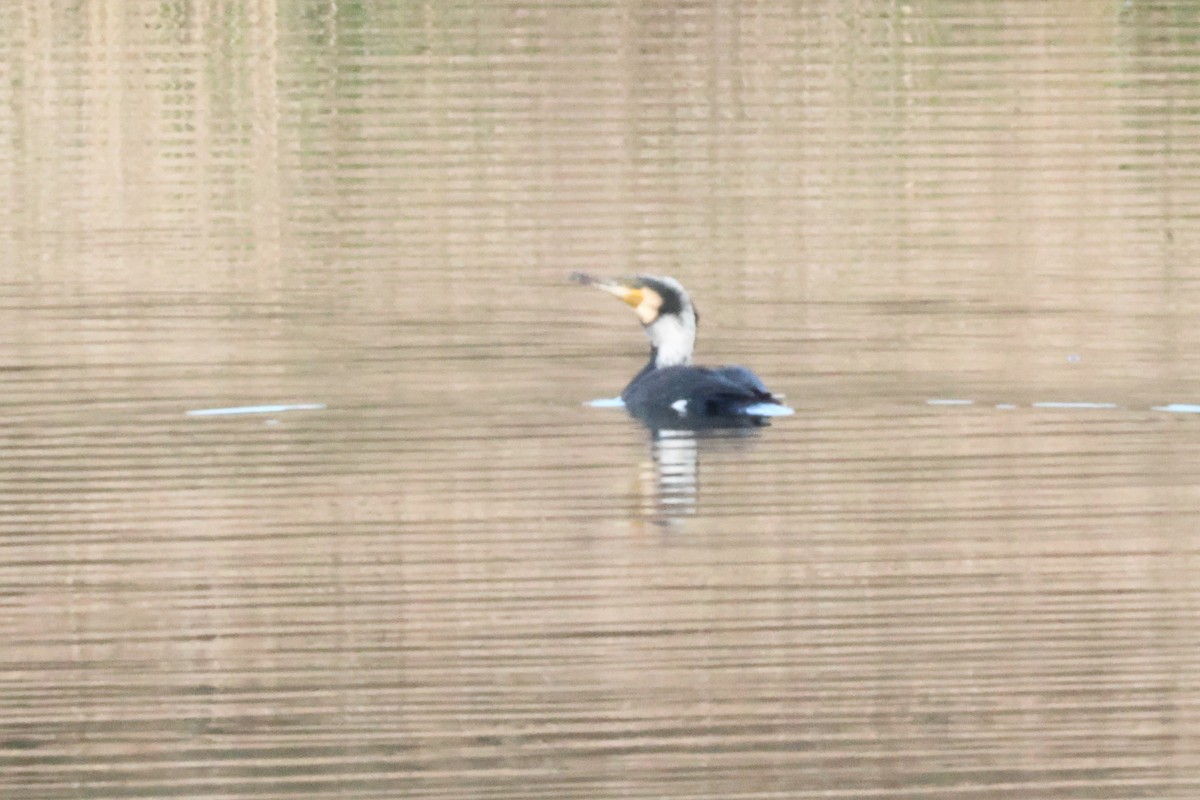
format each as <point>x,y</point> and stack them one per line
<point>399,556</point>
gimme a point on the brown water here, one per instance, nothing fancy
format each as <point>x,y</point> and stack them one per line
<point>453,579</point>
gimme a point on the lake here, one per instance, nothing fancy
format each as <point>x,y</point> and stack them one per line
<point>303,496</point>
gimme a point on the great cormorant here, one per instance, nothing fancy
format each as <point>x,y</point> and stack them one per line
<point>669,391</point>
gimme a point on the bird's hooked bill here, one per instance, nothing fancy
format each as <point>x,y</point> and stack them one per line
<point>632,295</point>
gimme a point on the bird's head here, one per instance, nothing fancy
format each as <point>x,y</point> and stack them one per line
<point>664,309</point>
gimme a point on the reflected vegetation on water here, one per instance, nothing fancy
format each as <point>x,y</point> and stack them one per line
<point>302,496</point>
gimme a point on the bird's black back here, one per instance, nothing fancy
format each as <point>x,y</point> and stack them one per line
<point>702,395</point>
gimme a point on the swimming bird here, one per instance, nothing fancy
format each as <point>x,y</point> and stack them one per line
<point>670,391</point>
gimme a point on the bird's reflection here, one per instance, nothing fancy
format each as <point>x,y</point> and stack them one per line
<point>670,480</point>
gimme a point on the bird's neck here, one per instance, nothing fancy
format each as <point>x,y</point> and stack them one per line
<point>661,357</point>
<point>653,364</point>
<point>671,342</point>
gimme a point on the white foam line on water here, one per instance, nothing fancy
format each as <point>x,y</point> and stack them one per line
<point>274,409</point>
<point>761,409</point>
<point>1055,404</point>
<point>1178,408</point>
<point>606,402</point>
<point>768,410</point>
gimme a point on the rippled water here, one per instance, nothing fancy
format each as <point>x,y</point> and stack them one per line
<point>302,496</point>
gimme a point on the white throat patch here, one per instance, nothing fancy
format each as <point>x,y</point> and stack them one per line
<point>673,337</point>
